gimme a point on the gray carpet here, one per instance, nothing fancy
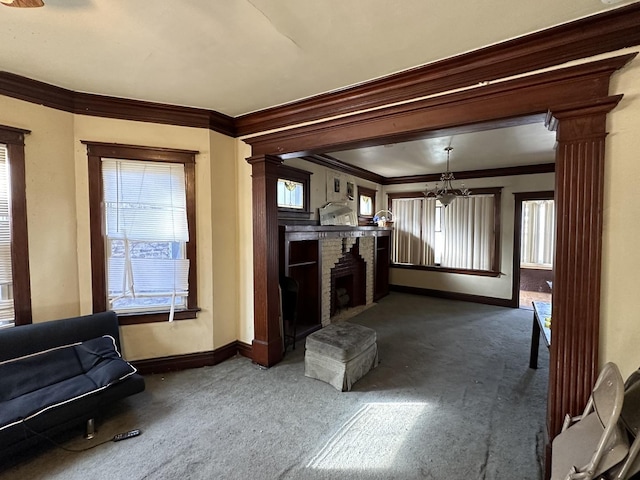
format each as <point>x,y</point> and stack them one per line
<point>453,398</point>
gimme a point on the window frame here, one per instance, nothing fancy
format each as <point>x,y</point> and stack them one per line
<point>495,267</point>
<point>96,151</point>
<point>13,138</point>
<point>366,192</point>
<point>287,172</point>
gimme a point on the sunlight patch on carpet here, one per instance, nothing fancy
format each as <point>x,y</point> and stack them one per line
<point>371,439</point>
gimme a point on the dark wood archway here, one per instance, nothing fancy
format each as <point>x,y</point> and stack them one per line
<point>575,102</point>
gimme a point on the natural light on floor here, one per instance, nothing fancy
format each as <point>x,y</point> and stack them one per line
<point>371,439</point>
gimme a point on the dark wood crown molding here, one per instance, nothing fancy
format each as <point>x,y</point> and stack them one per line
<point>34,91</point>
<point>335,164</point>
<point>41,93</point>
<point>141,111</point>
<point>604,32</point>
<point>486,173</point>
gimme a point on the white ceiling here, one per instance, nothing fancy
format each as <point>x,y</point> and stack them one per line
<point>238,56</point>
<point>506,147</point>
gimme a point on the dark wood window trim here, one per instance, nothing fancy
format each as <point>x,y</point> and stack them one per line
<point>13,138</point>
<point>369,192</point>
<point>95,152</point>
<point>495,267</point>
<point>287,172</point>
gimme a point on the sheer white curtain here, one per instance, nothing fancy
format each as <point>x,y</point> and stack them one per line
<point>413,233</point>
<point>428,231</point>
<point>469,233</point>
<point>407,231</point>
<point>538,232</point>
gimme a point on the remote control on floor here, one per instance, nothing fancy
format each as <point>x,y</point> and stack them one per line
<point>125,435</point>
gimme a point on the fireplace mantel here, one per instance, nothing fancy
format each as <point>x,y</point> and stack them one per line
<point>317,232</point>
<point>303,256</point>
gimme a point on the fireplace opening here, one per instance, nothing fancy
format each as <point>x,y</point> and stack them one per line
<point>343,292</point>
<point>348,282</point>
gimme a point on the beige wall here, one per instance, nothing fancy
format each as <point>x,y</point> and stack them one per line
<point>498,287</point>
<point>58,223</point>
<point>322,180</point>
<point>51,206</point>
<point>245,238</point>
<point>620,302</point>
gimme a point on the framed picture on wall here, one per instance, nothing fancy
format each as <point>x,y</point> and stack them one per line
<point>350,190</point>
<point>336,185</point>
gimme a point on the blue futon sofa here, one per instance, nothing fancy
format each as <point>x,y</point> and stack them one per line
<point>57,374</point>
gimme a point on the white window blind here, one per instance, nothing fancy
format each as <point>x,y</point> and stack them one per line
<point>414,232</point>
<point>459,236</point>
<point>469,236</point>
<point>538,233</point>
<point>146,227</point>
<point>7,313</point>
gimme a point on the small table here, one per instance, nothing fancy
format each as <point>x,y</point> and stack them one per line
<point>541,310</point>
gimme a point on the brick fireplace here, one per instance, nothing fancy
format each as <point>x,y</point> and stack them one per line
<point>329,259</point>
<point>347,274</point>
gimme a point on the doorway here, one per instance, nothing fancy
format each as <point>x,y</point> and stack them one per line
<point>537,249</point>
<point>534,248</point>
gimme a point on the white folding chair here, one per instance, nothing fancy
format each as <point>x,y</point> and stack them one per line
<point>630,419</point>
<point>594,442</point>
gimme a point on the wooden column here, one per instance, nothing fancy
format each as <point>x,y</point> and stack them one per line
<point>267,342</point>
<point>580,132</point>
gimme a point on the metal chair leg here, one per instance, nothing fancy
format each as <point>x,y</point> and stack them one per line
<point>90,430</point>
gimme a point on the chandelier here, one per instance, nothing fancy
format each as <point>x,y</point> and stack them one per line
<point>446,193</point>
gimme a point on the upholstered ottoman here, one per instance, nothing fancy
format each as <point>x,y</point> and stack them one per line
<point>340,354</point>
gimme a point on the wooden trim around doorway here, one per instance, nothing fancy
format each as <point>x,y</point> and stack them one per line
<point>520,197</point>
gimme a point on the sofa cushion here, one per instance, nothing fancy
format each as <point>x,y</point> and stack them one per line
<point>35,383</point>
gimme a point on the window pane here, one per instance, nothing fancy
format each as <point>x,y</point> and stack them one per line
<point>366,205</point>
<point>290,194</point>
<point>145,200</point>
<point>458,236</point>
<point>146,225</point>
<point>538,233</point>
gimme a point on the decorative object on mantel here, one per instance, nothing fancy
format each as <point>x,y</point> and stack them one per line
<point>384,218</point>
<point>446,193</point>
<point>337,213</point>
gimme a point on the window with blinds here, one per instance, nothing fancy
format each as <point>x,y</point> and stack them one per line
<point>538,234</point>
<point>7,312</point>
<point>461,238</point>
<point>145,220</point>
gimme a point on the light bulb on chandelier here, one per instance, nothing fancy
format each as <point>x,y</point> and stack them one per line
<point>446,193</point>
